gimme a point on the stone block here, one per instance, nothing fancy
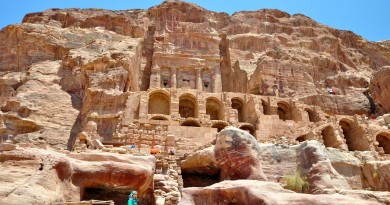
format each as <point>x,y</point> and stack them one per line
<point>164,122</point>
<point>157,137</point>
<point>160,201</point>
<point>143,121</point>
<point>96,143</point>
<point>125,129</point>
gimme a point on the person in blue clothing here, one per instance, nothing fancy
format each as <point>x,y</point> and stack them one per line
<point>133,198</point>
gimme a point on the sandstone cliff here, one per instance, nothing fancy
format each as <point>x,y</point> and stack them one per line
<point>64,55</point>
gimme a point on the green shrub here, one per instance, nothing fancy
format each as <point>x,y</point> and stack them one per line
<point>296,182</point>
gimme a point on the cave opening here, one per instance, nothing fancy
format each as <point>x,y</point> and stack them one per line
<point>219,126</point>
<point>214,109</point>
<point>119,196</point>
<point>302,138</point>
<point>187,106</point>
<point>190,123</point>
<point>329,137</point>
<point>284,111</point>
<point>313,116</point>
<point>191,179</point>
<point>266,107</point>
<point>354,136</point>
<point>248,129</point>
<point>384,142</point>
<point>238,104</point>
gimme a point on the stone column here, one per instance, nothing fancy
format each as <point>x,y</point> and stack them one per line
<point>173,78</point>
<point>155,80</point>
<point>198,79</point>
<point>217,80</point>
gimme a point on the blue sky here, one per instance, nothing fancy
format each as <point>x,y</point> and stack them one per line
<point>370,19</point>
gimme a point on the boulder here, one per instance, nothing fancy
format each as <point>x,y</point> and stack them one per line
<point>314,163</point>
<point>377,174</point>
<point>238,155</point>
<point>202,161</point>
<point>97,144</point>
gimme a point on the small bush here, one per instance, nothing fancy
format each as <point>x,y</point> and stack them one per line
<point>296,182</point>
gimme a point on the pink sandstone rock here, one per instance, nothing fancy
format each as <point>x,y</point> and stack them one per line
<point>237,154</point>
<point>34,176</point>
<point>259,192</point>
<point>379,88</point>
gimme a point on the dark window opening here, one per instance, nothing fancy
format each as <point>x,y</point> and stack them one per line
<point>301,138</point>
<point>200,180</point>
<point>190,123</point>
<point>384,142</point>
<point>165,83</point>
<point>119,196</point>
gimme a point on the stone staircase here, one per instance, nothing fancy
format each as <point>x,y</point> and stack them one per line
<point>168,181</point>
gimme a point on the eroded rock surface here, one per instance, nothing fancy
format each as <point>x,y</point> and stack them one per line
<point>316,166</point>
<point>238,155</point>
<point>380,89</point>
<point>281,54</point>
<point>37,176</point>
<point>259,192</point>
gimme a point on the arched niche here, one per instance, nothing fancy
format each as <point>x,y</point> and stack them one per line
<point>354,135</point>
<point>159,103</point>
<point>238,104</point>
<point>302,138</point>
<point>248,128</point>
<point>158,117</point>
<point>329,137</point>
<point>188,106</point>
<point>313,115</point>
<point>384,141</point>
<point>190,123</point>
<point>219,125</point>
<point>284,111</point>
<point>214,109</point>
<point>266,107</point>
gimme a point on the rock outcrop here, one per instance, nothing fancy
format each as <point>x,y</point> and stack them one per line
<point>259,192</point>
<point>50,81</point>
<point>272,46</point>
<point>238,155</point>
<point>377,175</point>
<point>314,163</point>
<point>40,176</point>
<point>380,90</point>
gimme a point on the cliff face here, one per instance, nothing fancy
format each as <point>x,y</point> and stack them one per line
<point>282,54</point>
<point>265,52</point>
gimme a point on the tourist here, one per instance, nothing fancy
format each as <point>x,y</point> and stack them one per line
<point>331,91</point>
<point>172,151</point>
<point>133,198</point>
<point>154,151</point>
